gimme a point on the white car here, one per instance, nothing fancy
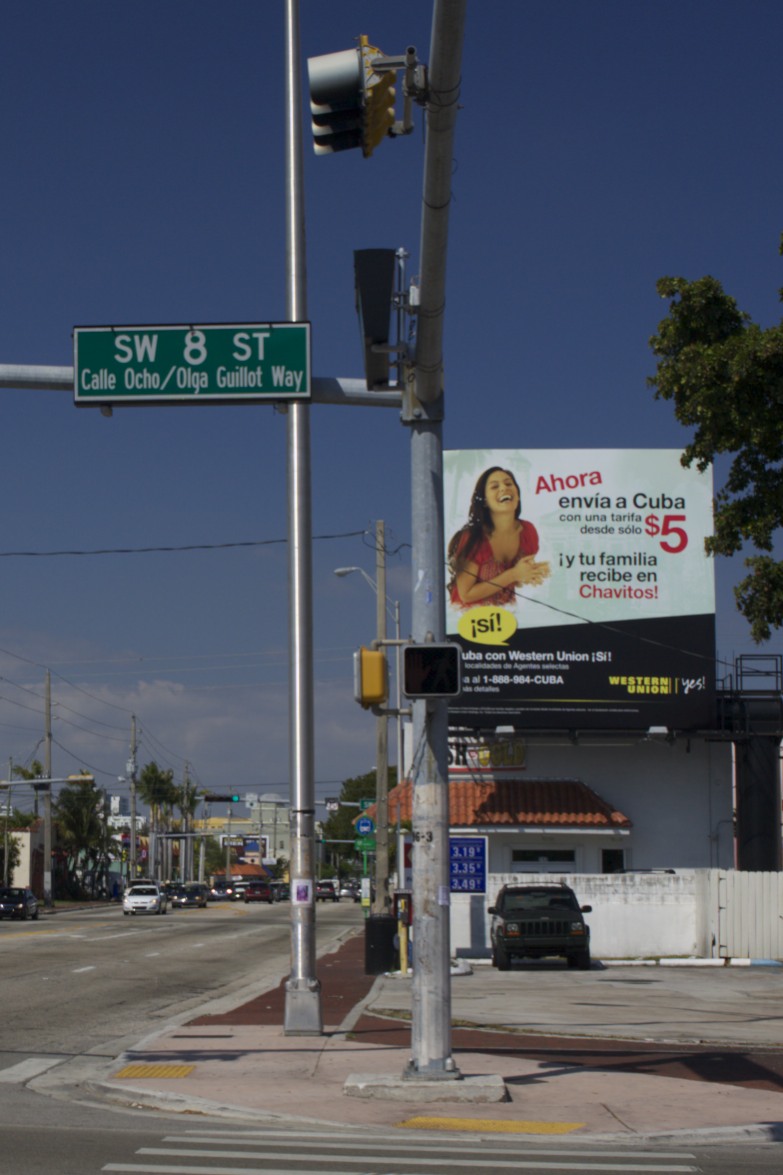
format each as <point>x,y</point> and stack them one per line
<point>144,897</point>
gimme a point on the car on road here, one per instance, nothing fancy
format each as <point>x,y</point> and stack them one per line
<point>144,897</point>
<point>326,891</point>
<point>189,895</point>
<point>536,921</point>
<point>220,892</point>
<point>259,891</point>
<point>18,902</point>
<point>351,890</point>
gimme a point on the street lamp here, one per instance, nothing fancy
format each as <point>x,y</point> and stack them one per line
<point>380,905</point>
<point>393,608</point>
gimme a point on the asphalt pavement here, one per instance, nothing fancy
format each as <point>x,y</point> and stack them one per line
<point>689,1051</point>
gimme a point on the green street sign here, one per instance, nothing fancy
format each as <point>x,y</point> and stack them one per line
<point>227,363</point>
<point>364,844</point>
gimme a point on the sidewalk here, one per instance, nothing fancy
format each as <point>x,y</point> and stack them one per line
<point>239,1063</point>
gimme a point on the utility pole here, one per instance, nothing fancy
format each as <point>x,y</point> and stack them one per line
<point>47,877</point>
<point>423,412</point>
<point>6,842</point>
<point>185,844</point>
<point>132,767</point>
<point>228,847</point>
<point>381,902</point>
<point>303,1015</point>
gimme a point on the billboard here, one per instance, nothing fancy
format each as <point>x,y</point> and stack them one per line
<point>578,588</point>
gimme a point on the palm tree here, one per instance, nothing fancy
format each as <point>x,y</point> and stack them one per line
<point>82,833</point>
<point>157,790</point>
<point>187,800</point>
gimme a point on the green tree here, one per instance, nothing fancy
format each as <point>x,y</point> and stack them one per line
<point>14,854</point>
<point>82,835</point>
<point>34,771</point>
<point>157,789</point>
<point>724,376</point>
<point>340,824</point>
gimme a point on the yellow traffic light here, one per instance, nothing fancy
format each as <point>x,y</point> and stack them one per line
<point>370,677</point>
<point>378,114</point>
<point>352,96</point>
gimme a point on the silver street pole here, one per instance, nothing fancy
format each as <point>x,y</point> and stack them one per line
<point>431,988</point>
<point>381,902</point>
<point>303,991</point>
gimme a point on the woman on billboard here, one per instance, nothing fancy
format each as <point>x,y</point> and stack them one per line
<point>495,551</point>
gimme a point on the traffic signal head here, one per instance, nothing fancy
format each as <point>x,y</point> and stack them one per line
<point>215,798</point>
<point>431,671</point>
<point>370,677</point>
<point>351,104</point>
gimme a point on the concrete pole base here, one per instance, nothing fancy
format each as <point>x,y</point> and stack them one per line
<point>475,1090</point>
<point>303,1009</point>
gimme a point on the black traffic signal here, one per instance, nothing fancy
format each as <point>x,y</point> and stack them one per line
<point>214,798</point>
<point>374,284</point>
<point>351,104</point>
<point>431,671</point>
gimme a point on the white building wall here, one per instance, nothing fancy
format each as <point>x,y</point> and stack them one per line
<point>633,915</point>
<point>678,796</point>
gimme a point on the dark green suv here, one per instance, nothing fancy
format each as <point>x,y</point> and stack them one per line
<point>533,921</point>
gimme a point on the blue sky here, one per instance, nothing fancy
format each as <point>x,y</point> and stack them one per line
<point>598,148</point>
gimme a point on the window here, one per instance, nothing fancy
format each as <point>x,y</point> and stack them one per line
<point>543,857</point>
<point>612,860</point>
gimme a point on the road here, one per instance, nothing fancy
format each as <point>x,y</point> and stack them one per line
<point>87,983</point>
<point>80,987</point>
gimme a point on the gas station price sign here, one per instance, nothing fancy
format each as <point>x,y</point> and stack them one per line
<point>226,363</point>
<point>468,864</point>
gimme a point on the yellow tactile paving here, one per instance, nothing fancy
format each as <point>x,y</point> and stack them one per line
<point>160,1070</point>
<point>490,1125</point>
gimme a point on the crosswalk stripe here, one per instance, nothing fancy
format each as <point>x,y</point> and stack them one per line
<point>25,1070</point>
<point>417,1161</point>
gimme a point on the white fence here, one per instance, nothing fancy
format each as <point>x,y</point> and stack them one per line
<point>692,913</point>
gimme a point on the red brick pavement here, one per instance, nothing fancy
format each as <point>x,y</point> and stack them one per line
<point>344,984</point>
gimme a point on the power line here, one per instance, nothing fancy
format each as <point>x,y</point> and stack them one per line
<point>171,549</point>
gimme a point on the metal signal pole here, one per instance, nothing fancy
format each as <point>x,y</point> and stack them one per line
<point>431,991</point>
<point>303,991</point>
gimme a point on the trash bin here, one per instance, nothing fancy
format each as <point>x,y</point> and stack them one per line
<point>381,952</point>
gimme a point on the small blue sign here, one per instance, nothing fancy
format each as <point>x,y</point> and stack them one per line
<point>468,864</point>
<point>365,826</point>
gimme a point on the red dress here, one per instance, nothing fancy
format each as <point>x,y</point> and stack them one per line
<point>489,568</point>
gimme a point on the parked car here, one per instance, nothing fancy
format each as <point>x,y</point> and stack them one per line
<point>144,897</point>
<point>326,891</point>
<point>535,921</point>
<point>18,902</point>
<point>259,891</point>
<point>191,894</point>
